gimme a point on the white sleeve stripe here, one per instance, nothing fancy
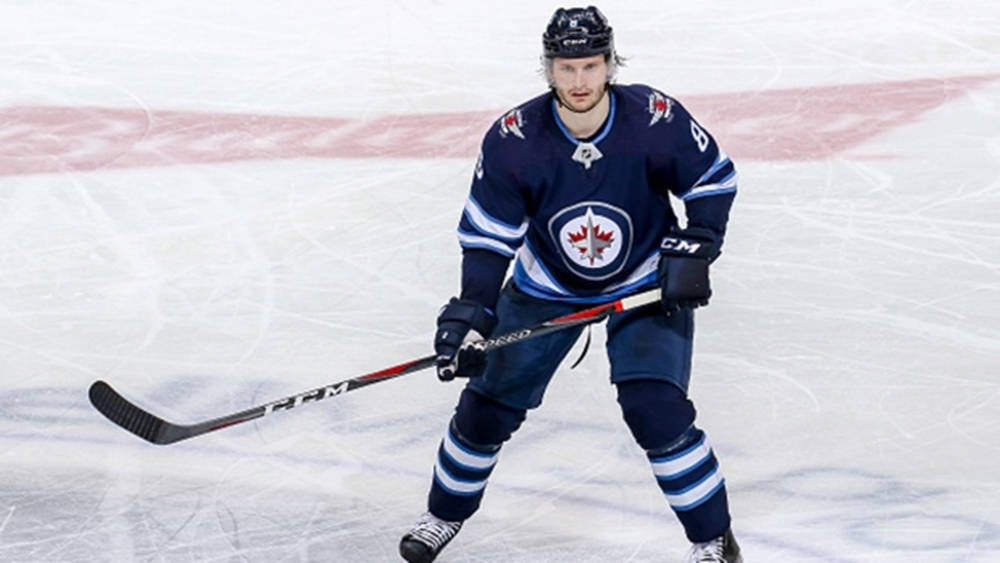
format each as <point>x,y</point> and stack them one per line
<point>727,185</point>
<point>721,160</point>
<point>467,458</point>
<point>696,494</point>
<point>707,191</point>
<point>491,226</point>
<point>473,241</point>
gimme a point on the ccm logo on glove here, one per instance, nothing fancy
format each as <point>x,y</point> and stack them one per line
<point>683,271</point>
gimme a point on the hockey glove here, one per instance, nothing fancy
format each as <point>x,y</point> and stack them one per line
<point>683,272</point>
<point>460,325</point>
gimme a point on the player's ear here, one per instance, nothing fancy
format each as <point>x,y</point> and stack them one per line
<point>547,65</point>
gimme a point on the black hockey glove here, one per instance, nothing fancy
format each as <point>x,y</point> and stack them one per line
<point>460,324</point>
<point>683,272</point>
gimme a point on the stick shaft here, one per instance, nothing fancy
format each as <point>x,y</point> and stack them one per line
<point>155,429</point>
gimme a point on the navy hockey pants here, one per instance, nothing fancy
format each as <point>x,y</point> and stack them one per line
<point>641,344</point>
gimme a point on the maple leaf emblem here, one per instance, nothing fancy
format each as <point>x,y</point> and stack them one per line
<point>590,240</point>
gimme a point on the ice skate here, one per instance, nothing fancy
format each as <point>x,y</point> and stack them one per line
<point>722,549</point>
<point>427,538</point>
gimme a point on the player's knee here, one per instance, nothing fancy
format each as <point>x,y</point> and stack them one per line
<point>483,421</point>
<point>658,413</point>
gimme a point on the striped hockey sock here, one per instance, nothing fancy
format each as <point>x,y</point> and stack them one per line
<point>460,477</point>
<point>690,479</point>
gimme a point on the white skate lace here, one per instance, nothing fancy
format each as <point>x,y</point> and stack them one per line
<point>708,552</point>
<point>434,532</point>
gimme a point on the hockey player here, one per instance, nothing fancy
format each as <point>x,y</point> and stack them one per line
<point>573,185</point>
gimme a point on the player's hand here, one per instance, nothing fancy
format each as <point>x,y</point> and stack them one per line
<point>683,272</point>
<point>461,325</point>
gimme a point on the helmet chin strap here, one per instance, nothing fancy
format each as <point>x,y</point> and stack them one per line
<point>559,100</point>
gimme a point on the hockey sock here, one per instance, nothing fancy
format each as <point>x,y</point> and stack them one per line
<point>689,476</point>
<point>468,453</point>
<point>661,419</point>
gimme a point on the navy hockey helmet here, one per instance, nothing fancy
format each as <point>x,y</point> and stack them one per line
<point>574,33</point>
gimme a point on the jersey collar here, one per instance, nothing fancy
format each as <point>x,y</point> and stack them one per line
<point>604,131</point>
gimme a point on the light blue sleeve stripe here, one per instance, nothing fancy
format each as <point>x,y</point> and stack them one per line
<point>470,240</point>
<point>720,161</point>
<point>716,190</point>
<point>727,185</point>
<point>491,226</point>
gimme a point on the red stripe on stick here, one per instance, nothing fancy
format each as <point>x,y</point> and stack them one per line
<point>588,313</point>
<point>394,370</point>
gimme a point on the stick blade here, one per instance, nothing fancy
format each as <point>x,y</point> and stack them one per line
<point>119,410</point>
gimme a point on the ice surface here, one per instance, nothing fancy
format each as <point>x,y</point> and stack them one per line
<point>212,205</point>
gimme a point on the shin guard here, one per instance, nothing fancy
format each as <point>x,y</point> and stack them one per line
<point>661,419</point>
<point>468,454</point>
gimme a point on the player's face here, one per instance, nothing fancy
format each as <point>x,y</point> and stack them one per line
<point>580,82</point>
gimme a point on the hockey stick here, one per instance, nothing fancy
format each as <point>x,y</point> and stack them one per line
<point>154,429</point>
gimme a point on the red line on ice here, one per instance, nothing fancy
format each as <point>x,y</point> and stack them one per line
<point>793,124</point>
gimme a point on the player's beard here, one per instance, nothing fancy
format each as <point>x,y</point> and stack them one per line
<point>570,107</point>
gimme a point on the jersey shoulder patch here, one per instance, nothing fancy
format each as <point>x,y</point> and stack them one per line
<point>522,122</point>
<point>660,107</point>
<point>512,124</point>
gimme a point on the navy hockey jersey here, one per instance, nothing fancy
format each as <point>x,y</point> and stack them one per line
<point>583,218</point>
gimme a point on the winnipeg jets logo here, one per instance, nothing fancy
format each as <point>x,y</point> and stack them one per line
<point>660,107</point>
<point>595,238</point>
<point>511,124</point>
<point>479,166</point>
<point>590,239</point>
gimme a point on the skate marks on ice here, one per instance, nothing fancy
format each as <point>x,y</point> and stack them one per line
<point>811,513</point>
<point>857,514</point>
<point>272,490</point>
<point>81,515</point>
<point>63,413</point>
<point>799,124</point>
<point>306,487</point>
